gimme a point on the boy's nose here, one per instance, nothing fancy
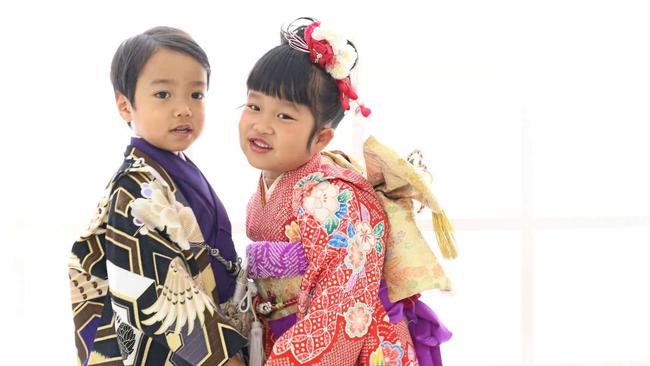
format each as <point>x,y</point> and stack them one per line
<point>183,111</point>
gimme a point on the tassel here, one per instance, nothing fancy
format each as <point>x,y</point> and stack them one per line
<point>444,234</point>
<point>255,348</point>
<point>255,338</point>
<point>241,286</point>
<point>345,102</point>
<point>351,92</point>
<point>365,111</point>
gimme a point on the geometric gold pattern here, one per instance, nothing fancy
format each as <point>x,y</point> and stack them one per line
<point>119,270</point>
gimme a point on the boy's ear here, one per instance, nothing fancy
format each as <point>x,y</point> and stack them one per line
<point>323,138</point>
<point>124,107</point>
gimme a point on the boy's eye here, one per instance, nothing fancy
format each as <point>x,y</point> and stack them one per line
<point>285,116</point>
<point>162,95</point>
<point>198,95</point>
<point>253,107</point>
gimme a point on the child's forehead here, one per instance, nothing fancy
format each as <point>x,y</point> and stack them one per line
<point>168,67</point>
<point>259,95</point>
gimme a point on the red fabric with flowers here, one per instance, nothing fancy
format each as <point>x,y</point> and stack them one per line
<point>342,226</point>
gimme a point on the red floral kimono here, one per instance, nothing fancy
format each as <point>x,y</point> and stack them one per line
<point>317,256</point>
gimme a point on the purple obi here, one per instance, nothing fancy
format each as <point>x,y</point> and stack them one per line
<point>274,259</point>
<point>277,269</point>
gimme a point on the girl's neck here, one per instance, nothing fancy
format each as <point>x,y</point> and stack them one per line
<point>270,177</point>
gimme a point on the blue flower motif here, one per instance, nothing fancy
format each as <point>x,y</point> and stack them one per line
<point>351,231</point>
<point>338,241</point>
<point>343,211</point>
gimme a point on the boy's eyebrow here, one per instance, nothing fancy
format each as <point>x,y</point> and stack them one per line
<point>171,81</point>
<point>162,81</point>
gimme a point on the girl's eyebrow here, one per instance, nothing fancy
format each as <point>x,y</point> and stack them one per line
<point>256,95</point>
<point>253,94</point>
<point>290,105</point>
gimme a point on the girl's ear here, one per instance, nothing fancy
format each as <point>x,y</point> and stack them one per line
<point>322,139</point>
<point>124,107</point>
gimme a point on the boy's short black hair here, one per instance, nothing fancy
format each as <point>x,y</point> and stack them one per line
<point>289,74</point>
<point>133,54</point>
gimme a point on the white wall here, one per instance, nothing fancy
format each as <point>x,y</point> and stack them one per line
<point>533,117</point>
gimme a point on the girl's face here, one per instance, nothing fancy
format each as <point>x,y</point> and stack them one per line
<point>169,107</point>
<point>273,134</point>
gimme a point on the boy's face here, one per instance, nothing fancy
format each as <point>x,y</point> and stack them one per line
<point>273,134</point>
<point>169,110</point>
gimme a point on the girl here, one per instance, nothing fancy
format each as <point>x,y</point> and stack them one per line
<point>319,230</point>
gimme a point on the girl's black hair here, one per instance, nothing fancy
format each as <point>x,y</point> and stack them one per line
<point>288,74</point>
<point>133,54</point>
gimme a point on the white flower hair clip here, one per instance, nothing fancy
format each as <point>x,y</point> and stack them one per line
<point>335,54</point>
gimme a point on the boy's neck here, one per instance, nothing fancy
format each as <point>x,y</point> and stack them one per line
<point>180,154</point>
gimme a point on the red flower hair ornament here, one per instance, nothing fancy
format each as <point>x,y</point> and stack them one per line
<point>332,53</point>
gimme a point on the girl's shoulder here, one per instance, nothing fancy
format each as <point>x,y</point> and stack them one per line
<point>335,182</point>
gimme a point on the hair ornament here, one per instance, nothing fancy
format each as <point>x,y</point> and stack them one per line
<point>330,51</point>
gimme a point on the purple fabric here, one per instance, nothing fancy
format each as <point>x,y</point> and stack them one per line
<point>424,326</point>
<point>208,209</point>
<point>88,334</point>
<point>279,326</point>
<point>275,259</point>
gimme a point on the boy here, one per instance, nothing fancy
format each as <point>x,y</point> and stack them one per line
<point>158,259</point>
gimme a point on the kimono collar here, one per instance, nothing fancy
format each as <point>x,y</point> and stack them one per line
<point>210,213</point>
<point>289,178</point>
<point>182,172</point>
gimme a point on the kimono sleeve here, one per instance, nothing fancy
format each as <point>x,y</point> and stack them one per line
<point>156,292</point>
<point>338,292</point>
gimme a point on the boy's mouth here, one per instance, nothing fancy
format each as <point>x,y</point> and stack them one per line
<point>182,129</point>
<point>259,145</point>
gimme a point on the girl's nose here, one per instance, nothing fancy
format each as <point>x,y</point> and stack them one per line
<point>262,127</point>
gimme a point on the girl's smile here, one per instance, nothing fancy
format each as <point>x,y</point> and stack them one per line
<point>259,145</point>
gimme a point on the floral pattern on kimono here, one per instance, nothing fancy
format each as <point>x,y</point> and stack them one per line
<point>342,227</point>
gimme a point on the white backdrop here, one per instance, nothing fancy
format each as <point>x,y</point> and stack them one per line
<point>533,117</point>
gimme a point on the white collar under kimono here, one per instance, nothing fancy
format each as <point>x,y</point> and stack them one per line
<point>269,190</point>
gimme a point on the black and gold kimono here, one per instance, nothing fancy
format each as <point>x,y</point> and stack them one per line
<point>143,288</point>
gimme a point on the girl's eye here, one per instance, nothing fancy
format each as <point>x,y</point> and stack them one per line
<point>285,116</point>
<point>162,95</point>
<point>198,95</point>
<point>253,107</point>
